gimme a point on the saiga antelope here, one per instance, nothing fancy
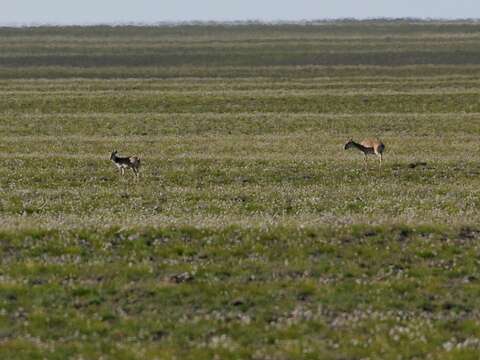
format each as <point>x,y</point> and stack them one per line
<point>368,147</point>
<point>122,163</point>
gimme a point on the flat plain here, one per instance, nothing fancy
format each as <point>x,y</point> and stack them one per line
<point>251,233</point>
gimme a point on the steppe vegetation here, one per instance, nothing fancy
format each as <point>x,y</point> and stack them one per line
<point>251,233</point>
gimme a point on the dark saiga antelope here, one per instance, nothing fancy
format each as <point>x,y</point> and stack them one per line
<point>368,147</point>
<point>123,163</point>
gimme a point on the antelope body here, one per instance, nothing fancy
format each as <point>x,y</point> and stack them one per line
<point>368,147</point>
<point>123,163</point>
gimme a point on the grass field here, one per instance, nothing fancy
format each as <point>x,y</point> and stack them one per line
<point>251,232</point>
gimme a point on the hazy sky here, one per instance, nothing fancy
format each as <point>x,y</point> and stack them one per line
<point>151,11</point>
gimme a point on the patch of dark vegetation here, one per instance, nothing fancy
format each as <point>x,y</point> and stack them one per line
<point>404,234</point>
<point>416,164</point>
<point>158,335</point>
<point>468,233</point>
<point>182,277</point>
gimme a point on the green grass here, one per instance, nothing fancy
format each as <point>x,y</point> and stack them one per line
<point>251,232</point>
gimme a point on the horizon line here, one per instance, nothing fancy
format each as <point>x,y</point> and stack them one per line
<point>173,23</point>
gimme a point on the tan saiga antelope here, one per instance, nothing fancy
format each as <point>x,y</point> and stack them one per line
<point>123,163</point>
<point>368,147</point>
